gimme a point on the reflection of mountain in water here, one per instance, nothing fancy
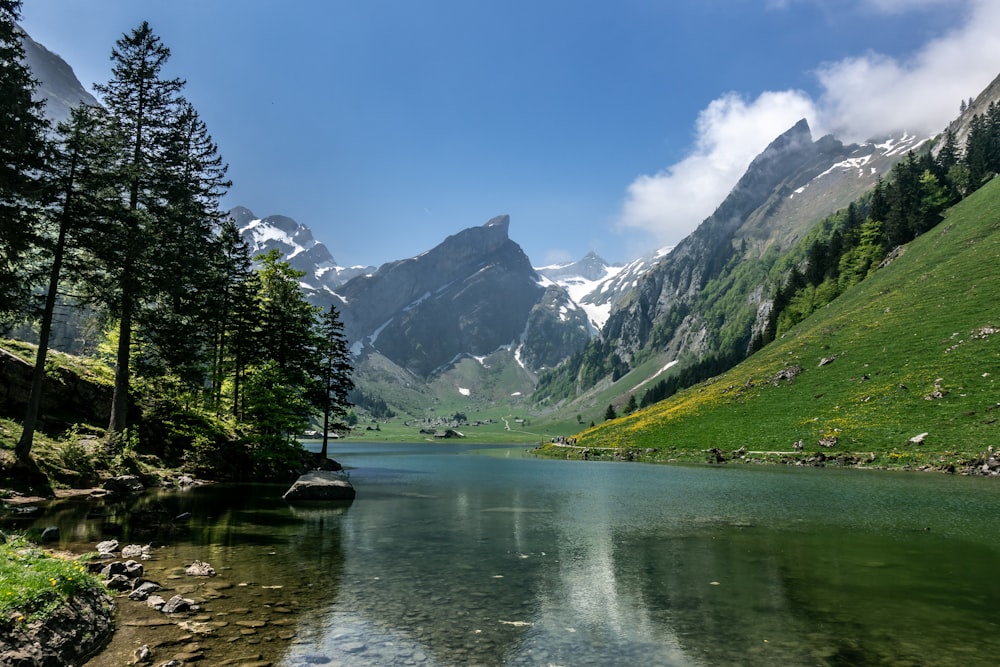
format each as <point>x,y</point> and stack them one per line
<point>748,595</point>
<point>446,578</point>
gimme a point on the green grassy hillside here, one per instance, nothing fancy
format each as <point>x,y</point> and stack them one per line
<point>913,349</point>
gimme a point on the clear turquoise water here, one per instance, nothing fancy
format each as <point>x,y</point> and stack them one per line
<point>458,555</point>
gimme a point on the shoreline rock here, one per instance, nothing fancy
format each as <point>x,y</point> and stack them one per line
<point>320,485</point>
<point>76,631</point>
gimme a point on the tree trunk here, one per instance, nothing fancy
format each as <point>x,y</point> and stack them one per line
<point>23,448</point>
<point>119,400</point>
<point>326,419</point>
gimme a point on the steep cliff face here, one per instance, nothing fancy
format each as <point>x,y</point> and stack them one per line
<point>57,83</point>
<point>470,295</point>
<point>787,189</point>
<point>791,159</point>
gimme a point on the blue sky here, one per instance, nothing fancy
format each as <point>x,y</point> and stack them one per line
<point>613,126</point>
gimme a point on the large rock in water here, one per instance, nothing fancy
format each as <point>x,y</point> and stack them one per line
<point>320,485</point>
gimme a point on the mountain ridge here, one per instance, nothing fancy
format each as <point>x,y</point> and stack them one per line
<point>470,295</point>
<point>57,83</point>
<point>476,295</point>
<point>900,360</point>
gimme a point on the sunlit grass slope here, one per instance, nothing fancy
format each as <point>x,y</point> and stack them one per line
<point>913,351</point>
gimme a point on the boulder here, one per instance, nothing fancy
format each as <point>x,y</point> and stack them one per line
<point>144,590</point>
<point>107,547</point>
<point>320,485</point>
<point>123,485</point>
<point>176,604</point>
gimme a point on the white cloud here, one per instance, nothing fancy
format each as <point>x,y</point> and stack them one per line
<point>874,94</point>
<point>863,97</point>
<point>730,133</point>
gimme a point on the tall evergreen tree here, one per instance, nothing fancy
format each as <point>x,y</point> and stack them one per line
<point>232,308</point>
<point>287,320</point>
<point>948,156</point>
<point>22,162</point>
<point>142,104</point>
<point>177,328</point>
<point>879,209</point>
<point>77,176</point>
<point>335,375</point>
<point>279,383</point>
<point>977,151</point>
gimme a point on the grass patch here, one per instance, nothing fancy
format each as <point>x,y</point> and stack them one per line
<point>34,582</point>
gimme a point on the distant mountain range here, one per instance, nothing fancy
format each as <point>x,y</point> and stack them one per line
<point>472,318</point>
<point>473,295</point>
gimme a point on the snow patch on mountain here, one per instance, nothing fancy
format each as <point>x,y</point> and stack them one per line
<point>667,367</point>
<point>260,233</point>
<point>297,246</point>
<point>868,160</point>
<point>596,286</point>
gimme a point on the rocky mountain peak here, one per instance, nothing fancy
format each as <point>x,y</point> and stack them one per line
<point>502,221</point>
<point>297,246</point>
<point>792,139</point>
<point>590,267</point>
<point>472,294</point>
<point>294,241</point>
<point>57,83</point>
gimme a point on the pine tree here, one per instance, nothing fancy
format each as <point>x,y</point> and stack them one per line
<point>287,320</point>
<point>22,163</point>
<point>230,307</point>
<point>177,329</point>
<point>631,406</point>
<point>977,151</point>
<point>75,171</point>
<point>610,413</point>
<point>282,361</point>
<point>142,104</point>
<point>335,375</point>
<point>948,156</point>
<point>879,209</point>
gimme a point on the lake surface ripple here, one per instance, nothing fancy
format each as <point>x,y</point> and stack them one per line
<point>479,555</point>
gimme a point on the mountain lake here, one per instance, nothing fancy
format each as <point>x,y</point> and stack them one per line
<point>484,555</point>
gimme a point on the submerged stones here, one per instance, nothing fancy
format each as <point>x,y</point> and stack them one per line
<point>320,485</point>
<point>200,568</point>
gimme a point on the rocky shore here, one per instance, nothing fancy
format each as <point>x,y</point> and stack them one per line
<point>183,614</point>
<point>165,613</point>
<point>74,632</point>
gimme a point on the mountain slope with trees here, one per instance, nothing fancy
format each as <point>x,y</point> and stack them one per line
<point>900,369</point>
<point>700,305</point>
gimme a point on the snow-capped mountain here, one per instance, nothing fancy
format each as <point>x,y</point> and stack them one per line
<point>794,183</point>
<point>597,286</point>
<point>297,246</point>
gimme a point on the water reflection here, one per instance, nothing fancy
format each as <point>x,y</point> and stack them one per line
<point>452,559</point>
